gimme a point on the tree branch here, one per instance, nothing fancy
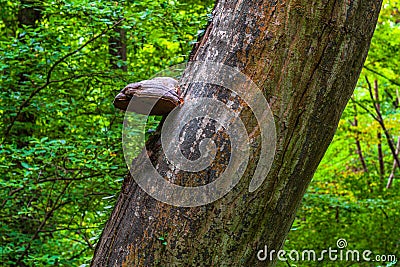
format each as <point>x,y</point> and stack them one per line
<point>382,124</point>
<point>383,76</point>
<point>25,103</point>
<point>43,223</point>
<point>391,176</point>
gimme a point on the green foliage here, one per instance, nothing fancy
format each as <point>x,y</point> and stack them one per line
<point>343,200</point>
<point>61,157</point>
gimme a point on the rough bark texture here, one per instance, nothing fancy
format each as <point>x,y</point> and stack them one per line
<point>306,56</point>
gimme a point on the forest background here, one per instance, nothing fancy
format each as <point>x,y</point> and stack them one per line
<point>61,161</point>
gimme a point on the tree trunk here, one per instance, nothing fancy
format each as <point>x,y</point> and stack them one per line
<point>358,143</point>
<point>306,58</point>
<point>379,135</point>
<point>29,15</point>
<point>117,48</point>
<point>391,176</point>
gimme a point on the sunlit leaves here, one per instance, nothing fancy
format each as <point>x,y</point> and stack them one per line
<point>343,200</point>
<point>62,157</point>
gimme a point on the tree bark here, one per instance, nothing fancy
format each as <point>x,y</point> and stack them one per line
<point>306,57</point>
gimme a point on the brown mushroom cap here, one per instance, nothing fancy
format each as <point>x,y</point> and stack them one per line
<point>151,97</point>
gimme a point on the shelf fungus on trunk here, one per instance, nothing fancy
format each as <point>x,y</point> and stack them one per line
<point>158,96</point>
